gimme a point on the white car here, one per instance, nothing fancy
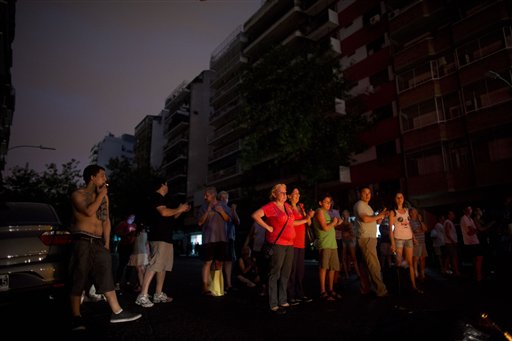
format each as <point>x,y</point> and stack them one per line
<point>34,248</point>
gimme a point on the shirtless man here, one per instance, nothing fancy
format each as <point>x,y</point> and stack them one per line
<point>90,258</point>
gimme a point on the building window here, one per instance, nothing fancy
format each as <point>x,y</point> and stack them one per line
<point>458,155</point>
<point>419,115</point>
<point>424,163</point>
<point>500,148</point>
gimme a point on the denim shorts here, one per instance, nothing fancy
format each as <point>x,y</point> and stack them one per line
<point>401,243</point>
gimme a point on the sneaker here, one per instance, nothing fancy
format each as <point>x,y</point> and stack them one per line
<point>77,323</point>
<point>161,298</point>
<point>124,316</point>
<point>294,302</point>
<point>95,298</point>
<point>306,299</point>
<point>144,301</point>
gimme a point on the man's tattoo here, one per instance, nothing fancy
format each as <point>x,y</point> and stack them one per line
<point>102,212</point>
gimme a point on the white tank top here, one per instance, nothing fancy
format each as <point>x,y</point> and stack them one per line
<point>402,228</point>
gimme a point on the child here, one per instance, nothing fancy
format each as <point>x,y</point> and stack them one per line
<point>247,269</point>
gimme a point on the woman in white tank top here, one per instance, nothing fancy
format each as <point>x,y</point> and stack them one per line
<point>402,238</point>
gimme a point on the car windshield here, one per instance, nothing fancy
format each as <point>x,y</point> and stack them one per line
<point>27,213</point>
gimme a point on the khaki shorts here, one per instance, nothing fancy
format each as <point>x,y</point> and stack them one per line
<point>162,256</point>
<point>329,259</point>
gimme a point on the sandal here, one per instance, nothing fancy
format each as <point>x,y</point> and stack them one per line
<point>418,291</point>
<point>207,293</point>
<point>326,297</point>
<point>335,295</point>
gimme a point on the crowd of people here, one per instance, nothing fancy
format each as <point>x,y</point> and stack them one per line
<point>361,241</point>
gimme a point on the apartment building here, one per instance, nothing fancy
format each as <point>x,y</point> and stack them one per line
<point>436,78</point>
<point>284,22</point>
<point>149,142</point>
<point>111,147</point>
<point>7,93</point>
<point>185,129</point>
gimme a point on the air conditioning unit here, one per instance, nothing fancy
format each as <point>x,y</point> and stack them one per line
<point>375,19</point>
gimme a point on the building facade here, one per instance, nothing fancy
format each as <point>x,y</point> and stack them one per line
<point>436,78</point>
<point>149,142</point>
<point>186,128</point>
<point>287,23</point>
<point>7,93</point>
<point>112,147</point>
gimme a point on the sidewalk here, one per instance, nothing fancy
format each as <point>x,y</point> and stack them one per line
<point>449,310</point>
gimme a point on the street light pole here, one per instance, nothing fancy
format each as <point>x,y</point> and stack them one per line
<point>31,146</point>
<point>495,75</point>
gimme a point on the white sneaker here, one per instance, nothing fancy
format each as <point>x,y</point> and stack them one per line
<point>144,301</point>
<point>161,298</point>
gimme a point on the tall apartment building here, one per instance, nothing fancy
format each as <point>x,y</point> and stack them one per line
<point>368,66</point>
<point>149,142</point>
<point>111,147</point>
<point>285,22</point>
<point>185,150</point>
<point>453,65</point>
<point>224,166</point>
<point>436,75</point>
<point>7,96</point>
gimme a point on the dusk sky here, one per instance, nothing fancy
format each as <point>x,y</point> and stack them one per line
<point>82,69</point>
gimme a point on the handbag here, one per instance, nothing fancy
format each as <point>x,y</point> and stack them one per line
<point>268,248</point>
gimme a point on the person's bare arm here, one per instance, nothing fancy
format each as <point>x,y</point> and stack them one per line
<point>258,217</point>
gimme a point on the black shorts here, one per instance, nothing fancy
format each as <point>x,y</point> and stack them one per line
<point>90,263</point>
<point>215,251</point>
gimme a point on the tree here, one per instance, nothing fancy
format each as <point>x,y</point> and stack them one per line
<point>292,127</point>
<point>52,186</point>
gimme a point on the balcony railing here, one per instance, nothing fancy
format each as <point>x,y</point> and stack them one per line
<point>224,173</point>
<point>222,132</point>
<point>224,151</point>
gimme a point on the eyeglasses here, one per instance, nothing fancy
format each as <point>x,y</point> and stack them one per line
<point>284,193</point>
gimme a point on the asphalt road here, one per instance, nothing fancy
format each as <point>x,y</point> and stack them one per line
<point>449,309</point>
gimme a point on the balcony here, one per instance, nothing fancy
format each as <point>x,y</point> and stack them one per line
<point>223,132</point>
<point>473,22</point>
<point>327,26</point>
<point>226,92</point>
<point>175,130</point>
<point>420,17</point>
<point>223,174</point>
<point>440,182</point>
<point>224,151</point>
<point>183,137</point>
<point>175,160</point>
<point>222,114</point>
<point>313,7</point>
<point>276,33</point>
<point>265,15</point>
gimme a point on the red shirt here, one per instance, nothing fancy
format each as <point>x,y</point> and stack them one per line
<point>300,230</point>
<point>277,218</point>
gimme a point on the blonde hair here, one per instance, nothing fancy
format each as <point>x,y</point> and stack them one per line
<point>273,192</point>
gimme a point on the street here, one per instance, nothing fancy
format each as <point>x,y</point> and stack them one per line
<point>448,310</point>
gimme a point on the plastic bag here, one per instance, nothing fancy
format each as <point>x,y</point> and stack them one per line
<point>216,283</point>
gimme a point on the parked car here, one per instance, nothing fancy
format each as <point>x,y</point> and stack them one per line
<point>34,248</point>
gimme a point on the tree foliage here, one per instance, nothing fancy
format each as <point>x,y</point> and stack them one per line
<point>128,188</point>
<point>51,186</point>
<point>289,114</point>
